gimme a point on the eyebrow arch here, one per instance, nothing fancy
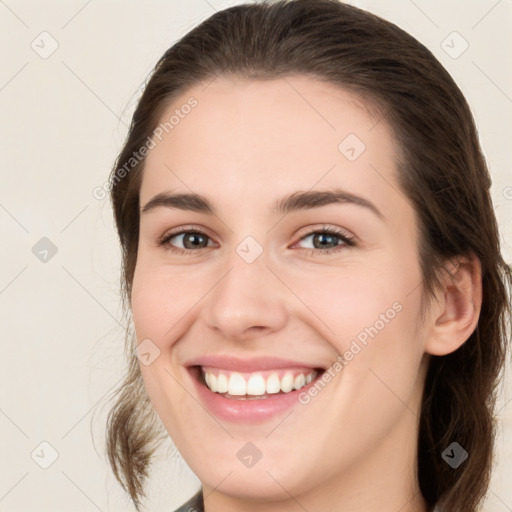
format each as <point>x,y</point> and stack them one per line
<point>293,202</point>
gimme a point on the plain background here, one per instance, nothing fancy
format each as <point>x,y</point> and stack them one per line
<point>63,118</point>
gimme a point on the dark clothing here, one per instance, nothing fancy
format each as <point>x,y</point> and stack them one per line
<point>194,504</point>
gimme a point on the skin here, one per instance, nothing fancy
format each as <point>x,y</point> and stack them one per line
<point>245,145</point>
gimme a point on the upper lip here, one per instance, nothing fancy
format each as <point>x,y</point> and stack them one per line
<point>248,365</point>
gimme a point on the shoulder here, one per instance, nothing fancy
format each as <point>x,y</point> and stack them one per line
<point>194,504</point>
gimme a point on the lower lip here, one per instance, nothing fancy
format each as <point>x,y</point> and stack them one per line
<point>247,410</point>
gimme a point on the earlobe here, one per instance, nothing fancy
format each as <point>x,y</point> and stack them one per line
<point>455,315</point>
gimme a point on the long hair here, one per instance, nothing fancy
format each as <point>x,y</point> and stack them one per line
<point>442,171</point>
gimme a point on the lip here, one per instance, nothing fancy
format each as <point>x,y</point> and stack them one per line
<point>246,411</point>
<point>248,365</point>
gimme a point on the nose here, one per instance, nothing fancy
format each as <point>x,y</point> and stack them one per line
<point>248,302</point>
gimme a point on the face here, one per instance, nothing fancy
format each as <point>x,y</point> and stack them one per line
<point>292,285</point>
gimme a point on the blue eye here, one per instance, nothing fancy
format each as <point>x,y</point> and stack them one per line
<point>322,239</point>
<point>326,237</point>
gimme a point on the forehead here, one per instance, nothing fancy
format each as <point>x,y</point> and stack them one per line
<point>260,137</point>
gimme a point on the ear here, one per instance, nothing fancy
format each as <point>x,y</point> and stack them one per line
<point>454,316</point>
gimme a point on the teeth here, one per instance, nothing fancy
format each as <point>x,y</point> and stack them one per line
<point>299,381</point>
<point>256,385</point>
<point>222,383</point>
<point>273,384</point>
<point>234,383</point>
<point>287,383</point>
<point>237,385</point>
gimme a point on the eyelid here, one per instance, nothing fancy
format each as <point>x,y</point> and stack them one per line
<point>195,228</point>
<point>309,230</point>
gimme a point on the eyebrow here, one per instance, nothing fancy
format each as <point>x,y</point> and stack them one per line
<point>293,202</point>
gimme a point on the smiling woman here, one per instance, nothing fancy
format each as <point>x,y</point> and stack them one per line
<point>313,268</point>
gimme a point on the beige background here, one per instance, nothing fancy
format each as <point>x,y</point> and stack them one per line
<point>63,117</point>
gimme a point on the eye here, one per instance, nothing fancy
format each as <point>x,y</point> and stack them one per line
<point>328,240</point>
<point>325,241</point>
<point>189,239</point>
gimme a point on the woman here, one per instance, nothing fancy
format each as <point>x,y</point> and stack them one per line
<point>312,263</point>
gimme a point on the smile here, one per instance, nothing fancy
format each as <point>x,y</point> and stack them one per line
<point>256,385</point>
<point>251,391</point>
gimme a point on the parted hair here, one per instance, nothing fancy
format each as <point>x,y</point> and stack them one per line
<point>441,171</point>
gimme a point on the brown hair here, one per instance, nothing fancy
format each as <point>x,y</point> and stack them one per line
<point>441,170</point>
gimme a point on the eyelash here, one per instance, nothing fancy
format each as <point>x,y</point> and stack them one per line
<point>348,241</point>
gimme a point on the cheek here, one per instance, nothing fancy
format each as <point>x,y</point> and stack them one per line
<point>379,340</point>
<point>352,302</point>
<point>161,301</point>
<point>160,304</point>
<point>369,315</point>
